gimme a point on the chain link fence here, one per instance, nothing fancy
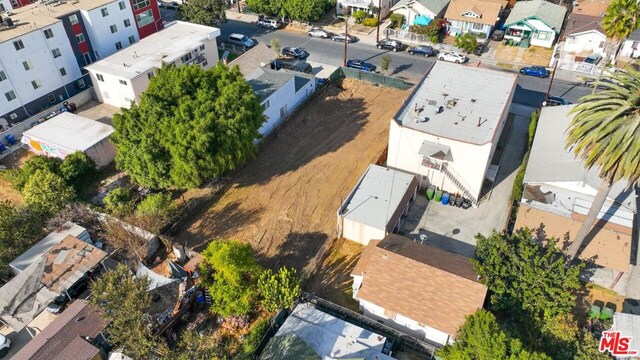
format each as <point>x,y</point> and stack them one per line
<point>375,78</point>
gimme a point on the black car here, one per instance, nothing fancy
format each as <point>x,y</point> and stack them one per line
<point>361,65</point>
<point>295,65</point>
<point>340,37</point>
<point>60,302</point>
<point>295,52</point>
<point>555,101</point>
<point>422,50</point>
<point>497,35</point>
<point>388,44</point>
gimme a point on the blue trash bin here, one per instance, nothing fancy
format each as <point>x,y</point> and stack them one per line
<point>445,198</point>
<point>2,147</point>
<point>10,139</point>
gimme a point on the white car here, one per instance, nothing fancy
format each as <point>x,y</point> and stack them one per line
<point>320,33</point>
<point>453,57</point>
<point>5,344</point>
<point>170,5</point>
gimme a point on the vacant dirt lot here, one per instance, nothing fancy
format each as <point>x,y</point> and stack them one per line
<point>284,202</point>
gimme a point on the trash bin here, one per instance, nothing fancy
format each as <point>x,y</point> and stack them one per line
<point>10,139</point>
<point>445,198</point>
<point>2,147</point>
<point>438,195</point>
<point>430,192</point>
<point>452,200</point>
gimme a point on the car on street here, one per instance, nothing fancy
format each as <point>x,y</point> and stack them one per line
<point>269,23</point>
<point>453,56</point>
<point>422,50</point>
<point>241,40</point>
<point>295,52</point>
<point>5,344</point>
<point>60,302</point>
<point>593,59</point>
<point>555,101</point>
<point>320,33</point>
<point>340,37</point>
<point>601,84</point>
<point>361,65</point>
<point>290,64</point>
<point>170,5</point>
<point>537,71</point>
<point>389,44</point>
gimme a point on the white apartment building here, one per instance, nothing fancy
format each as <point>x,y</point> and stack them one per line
<point>124,76</point>
<point>116,19</point>
<point>5,5</point>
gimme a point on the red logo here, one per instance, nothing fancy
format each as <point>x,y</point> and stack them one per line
<point>616,344</point>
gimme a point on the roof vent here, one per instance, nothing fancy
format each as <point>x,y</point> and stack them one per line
<point>452,103</point>
<point>432,102</point>
<point>473,101</point>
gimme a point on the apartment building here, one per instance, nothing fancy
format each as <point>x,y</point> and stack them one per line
<point>124,76</point>
<point>44,48</point>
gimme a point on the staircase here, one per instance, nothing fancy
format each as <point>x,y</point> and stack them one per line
<point>461,185</point>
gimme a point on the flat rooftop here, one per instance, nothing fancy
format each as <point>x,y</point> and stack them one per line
<point>377,195</point>
<point>167,45</point>
<point>69,131</point>
<point>38,15</point>
<point>459,102</point>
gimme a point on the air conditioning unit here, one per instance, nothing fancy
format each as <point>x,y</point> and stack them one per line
<point>13,116</point>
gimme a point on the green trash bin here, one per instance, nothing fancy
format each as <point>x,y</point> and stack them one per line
<point>430,193</point>
<point>438,195</point>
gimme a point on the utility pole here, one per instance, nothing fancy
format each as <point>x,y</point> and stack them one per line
<point>346,36</point>
<point>378,27</point>
<point>553,75</point>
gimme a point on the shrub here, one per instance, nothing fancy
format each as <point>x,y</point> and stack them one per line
<point>385,62</point>
<point>76,169</point>
<point>155,204</point>
<point>275,45</point>
<point>359,16</point>
<point>396,20</point>
<point>47,192</point>
<point>118,201</point>
<point>467,42</point>
<point>279,290</point>
<point>481,35</point>
<point>20,177</point>
<point>370,22</point>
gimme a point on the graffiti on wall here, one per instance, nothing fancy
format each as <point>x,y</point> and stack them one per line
<point>45,149</point>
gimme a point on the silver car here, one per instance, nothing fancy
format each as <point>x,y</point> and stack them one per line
<point>319,33</point>
<point>453,56</point>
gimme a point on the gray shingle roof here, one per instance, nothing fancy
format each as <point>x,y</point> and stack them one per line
<point>265,82</point>
<point>549,13</point>
<point>634,36</point>
<point>436,6</point>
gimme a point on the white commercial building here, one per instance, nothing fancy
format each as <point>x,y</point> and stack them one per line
<point>448,130</point>
<point>123,77</point>
<point>67,133</point>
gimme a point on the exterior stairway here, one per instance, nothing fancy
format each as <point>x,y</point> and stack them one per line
<point>460,184</point>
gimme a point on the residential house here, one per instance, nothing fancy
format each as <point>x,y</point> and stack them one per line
<point>350,6</point>
<point>312,334</point>
<point>122,77</point>
<point>535,22</point>
<point>476,16</point>
<point>583,34</point>
<point>67,133</point>
<point>631,46</point>
<point>558,193</point>
<point>376,204</point>
<point>75,334</point>
<point>420,12</point>
<point>419,289</point>
<point>447,131</point>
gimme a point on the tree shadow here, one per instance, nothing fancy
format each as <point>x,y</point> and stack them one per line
<point>528,97</point>
<point>401,68</point>
<point>296,251</point>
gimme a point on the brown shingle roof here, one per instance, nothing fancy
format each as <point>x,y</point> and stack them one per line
<point>489,10</point>
<point>429,285</point>
<point>577,23</point>
<point>64,338</point>
<point>591,7</point>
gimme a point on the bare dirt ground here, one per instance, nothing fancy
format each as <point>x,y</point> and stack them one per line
<point>284,202</point>
<point>11,161</point>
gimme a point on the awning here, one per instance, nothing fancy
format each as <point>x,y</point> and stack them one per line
<point>422,20</point>
<point>155,280</point>
<point>434,150</point>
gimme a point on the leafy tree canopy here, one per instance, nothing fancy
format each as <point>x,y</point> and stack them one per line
<point>118,201</point>
<point>77,169</point>
<point>203,12</point>
<point>300,10</point>
<point>621,18</point>
<point>20,227</point>
<point>47,192</point>
<point>230,272</point>
<point>467,42</point>
<point>190,125</point>
<point>279,290</point>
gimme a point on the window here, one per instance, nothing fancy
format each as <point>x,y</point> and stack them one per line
<point>122,82</point>
<point>56,53</point>
<point>80,38</point>
<point>87,58</point>
<point>10,95</point>
<point>81,83</point>
<point>52,98</point>
<point>543,35</point>
<point>113,28</point>
<point>127,23</point>
<point>118,45</point>
<point>139,4</point>
<point>186,58</point>
<point>204,63</point>
<point>477,26</point>
<point>201,47</point>
<point>144,18</point>
<point>601,45</point>
<point>48,33</point>
<point>63,72</point>
<point>122,5</point>
<point>265,105</point>
<point>27,65</point>
<point>3,76</point>
<point>104,12</point>
<point>100,77</point>
<point>150,75</point>
<point>36,84</point>
<point>73,19</point>
<point>18,45</point>
<point>132,39</point>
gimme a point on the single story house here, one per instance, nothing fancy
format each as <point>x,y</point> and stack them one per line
<point>311,334</point>
<point>75,334</point>
<point>447,131</point>
<point>420,12</point>
<point>583,34</point>
<point>416,288</point>
<point>350,6</point>
<point>631,46</point>
<point>376,204</point>
<point>537,22</point>
<point>476,16</point>
<point>559,191</point>
<point>67,133</point>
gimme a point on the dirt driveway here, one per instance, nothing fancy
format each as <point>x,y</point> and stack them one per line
<point>284,202</point>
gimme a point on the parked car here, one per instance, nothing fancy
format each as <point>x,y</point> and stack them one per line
<point>422,50</point>
<point>497,35</point>
<point>538,71</point>
<point>241,40</point>
<point>5,344</point>
<point>295,65</point>
<point>320,33</point>
<point>555,101</point>
<point>170,5</point>
<point>295,52</point>
<point>60,302</point>
<point>269,23</point>
<point>361,65</point>
<point>340,37</point>
<point>593,59</point>
<point>599,83</point>
<point>389,44</point>
<point>480,49</point>
<point>453,56</point>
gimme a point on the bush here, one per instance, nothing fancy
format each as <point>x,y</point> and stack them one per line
<point>396,20</point>
<point>118,201</point>
<point>256,333</point>
<point>76,169</point>
<point>481,35</point>
<point>370,22</point>
<point>360,15</point>
<point>47,192</point>
<point>279,290</point>
<point>467,42</point>
<point>155,204</point>
<point>385,62</point>
<point>19,177</point>
<point>533,125</point>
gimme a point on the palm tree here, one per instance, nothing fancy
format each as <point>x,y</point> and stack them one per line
<point>605,133</point>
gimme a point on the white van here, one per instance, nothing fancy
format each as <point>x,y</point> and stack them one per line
<point>269,23</point>
<point>241,40</point>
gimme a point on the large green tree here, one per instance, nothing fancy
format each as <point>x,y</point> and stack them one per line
<point>230,272</point>
<point>299,10</point>
<point>605,133</point>
<point>279,290</point>
<point>47,192</point>
<point>203,12</point>
<point>20,227</point>
<point>621,18</point>
<point>190,125</point>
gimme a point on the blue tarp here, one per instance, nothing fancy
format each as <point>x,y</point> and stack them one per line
<point>422,20</point>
